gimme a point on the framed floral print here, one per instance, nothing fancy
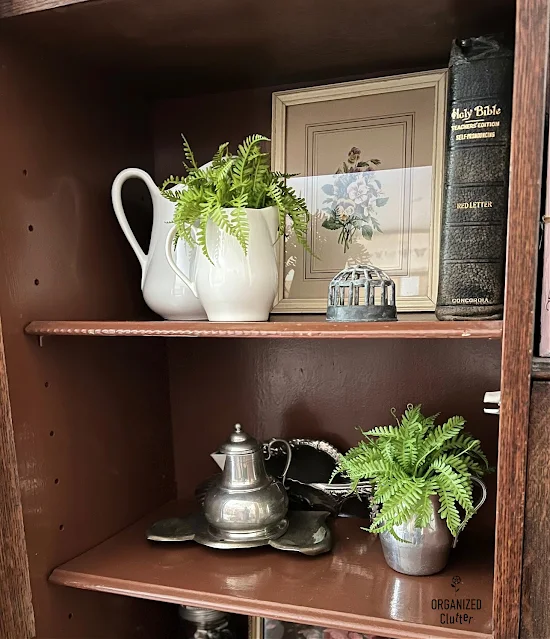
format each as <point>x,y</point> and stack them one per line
<point>368,159</point>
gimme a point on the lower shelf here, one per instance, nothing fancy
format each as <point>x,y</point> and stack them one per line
<point>350,588</point>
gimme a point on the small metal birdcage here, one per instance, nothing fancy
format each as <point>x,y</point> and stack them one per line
<point>361,293</point>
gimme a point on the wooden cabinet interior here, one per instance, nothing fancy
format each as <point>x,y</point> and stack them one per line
<point>107,431</point>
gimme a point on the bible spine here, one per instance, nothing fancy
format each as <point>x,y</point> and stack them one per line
<point>475,199</point>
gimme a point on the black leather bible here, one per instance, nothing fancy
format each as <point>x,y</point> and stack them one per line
<point>475,199</point>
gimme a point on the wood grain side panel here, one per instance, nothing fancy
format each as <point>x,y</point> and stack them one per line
<point>16,611</point>
<point>535,614</point>
<point>530,69</point>
<point>91,420</point>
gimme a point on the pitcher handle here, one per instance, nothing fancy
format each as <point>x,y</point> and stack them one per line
<point>169,256</point>
<point>116,197</point>
<point>483,494</point>
<point>476,507</point>
<point>289,455</point>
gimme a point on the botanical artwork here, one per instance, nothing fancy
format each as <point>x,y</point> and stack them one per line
<point>354,199</point>
<point>283,630</point>
<point>368,160</point>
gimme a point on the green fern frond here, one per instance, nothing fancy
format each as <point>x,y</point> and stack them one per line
<point>385,431</point>
<point>201,233</point>
<point>438,436</point>
<point>424,509</point>
<point>188,153</point>
<point>220,154</point>
<point>240,223</point>
<point>448,510</point>
<point>387,450</point>
<point>171,181</point>
<point>247,151</point>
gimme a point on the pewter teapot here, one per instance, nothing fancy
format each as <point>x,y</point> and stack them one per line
<point>245,503</point>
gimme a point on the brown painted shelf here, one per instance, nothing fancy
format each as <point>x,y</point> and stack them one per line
<point>350,588</point>
<point>409,326</point>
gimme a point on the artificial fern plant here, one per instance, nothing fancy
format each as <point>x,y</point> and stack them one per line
<point>410,462</point>
<point>223,190</point>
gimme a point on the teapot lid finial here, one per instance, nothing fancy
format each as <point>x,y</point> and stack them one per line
<point>239,443</point>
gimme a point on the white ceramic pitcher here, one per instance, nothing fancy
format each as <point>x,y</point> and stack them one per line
<point>234,286</point>
<point>163,291</point>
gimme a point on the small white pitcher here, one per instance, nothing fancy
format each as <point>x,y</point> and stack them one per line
<point>235,286</point>
<point>163,292</point>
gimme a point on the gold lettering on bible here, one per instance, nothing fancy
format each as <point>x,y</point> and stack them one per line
<point>475,205</point>
<point>464,116</point>
<point>477,111</point>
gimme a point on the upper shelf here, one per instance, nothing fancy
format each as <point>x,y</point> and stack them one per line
<point>297,326</point>
<point>350,588</point>
<point>194,46</point>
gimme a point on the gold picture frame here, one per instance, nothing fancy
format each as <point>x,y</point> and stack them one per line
<point>309,124</point>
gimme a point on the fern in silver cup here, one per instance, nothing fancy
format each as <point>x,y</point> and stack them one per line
<point>226,187</point>
<point>423,475</point>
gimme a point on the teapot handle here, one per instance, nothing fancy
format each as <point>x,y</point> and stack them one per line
<point>169,256</point>
<point>116,197</point>
<point>288,458</point>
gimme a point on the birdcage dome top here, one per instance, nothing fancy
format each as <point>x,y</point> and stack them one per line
<point>360,273</point>
<point>361,293</point>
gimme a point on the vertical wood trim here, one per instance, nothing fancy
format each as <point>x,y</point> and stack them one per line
<point>531,55</point>
<point>535,613</point>
<point>16,611</point>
